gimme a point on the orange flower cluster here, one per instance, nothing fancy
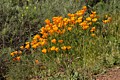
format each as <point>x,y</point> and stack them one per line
<point>16,55</point>
<point>107,20</point>
<point>59,26</point>
<point>66,47</point>
<point>88,21</point>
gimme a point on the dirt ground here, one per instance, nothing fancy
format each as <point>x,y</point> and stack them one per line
<point>111,74</point>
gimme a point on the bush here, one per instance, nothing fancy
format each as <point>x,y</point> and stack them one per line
<point>62,47</point>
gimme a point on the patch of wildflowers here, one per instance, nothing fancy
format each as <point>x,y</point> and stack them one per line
<point>52,31</point>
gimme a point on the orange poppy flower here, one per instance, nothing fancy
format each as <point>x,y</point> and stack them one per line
<point>94,19</point>
<point>83,23</point>
<point>12,54</point>
<point>56,49</point>
<point>92,15</point>
<point>37,36</point>
<point>93,35</point>
<point>45,35</point>
<point>51,31</point>
<point>53,41</point>
<point>85,27</point>
<point>36,61</point>
<point>105,21</point>
<point>44,51</point>
<point>34,46</point>
<point>21,47</point>
<point>68,47</point>
<point>63,48</point>
<point>84,7</point>
<point>69,28</point>
<point>27,46</point>
<point>93,29</point>
<point>47,21</point>
<point>18,58</point>
<point>78,21</point>
<point>60,41</point>
<point>93,12</point>
<point>88,19</point>
<point>15,52</point>
<point>14,59</point>
<point>52,48</point>
<point>55,28</point>
<point>27,42</point>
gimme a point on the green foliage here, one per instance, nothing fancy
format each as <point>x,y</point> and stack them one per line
<point>21,19</point>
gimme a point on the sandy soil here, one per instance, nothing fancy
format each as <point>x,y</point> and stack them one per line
<point>111,74</point>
